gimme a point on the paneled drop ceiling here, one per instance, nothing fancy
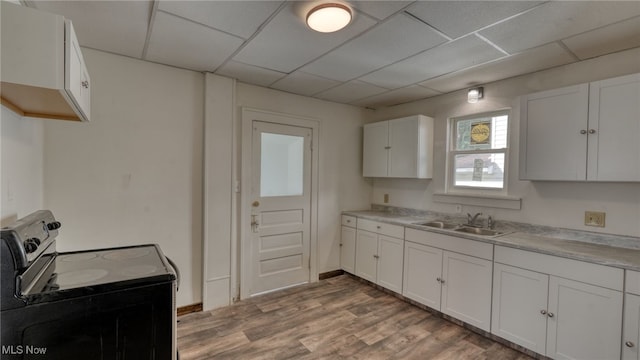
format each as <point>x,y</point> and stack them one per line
<point>392,52</point>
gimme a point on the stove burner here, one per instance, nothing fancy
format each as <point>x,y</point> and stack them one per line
<point>77,257</point>
<point>139,270</point>
<point>125,254</point>
<point>79,277</point>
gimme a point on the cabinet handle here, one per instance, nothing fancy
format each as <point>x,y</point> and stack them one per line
<point>340,244</point>
<point>376,256</point>
<point>379,227</point>
<point>592,131</point>
<point>438,280</point>
<point>387,147</point>
<point>630,344</point>
<point>348,221</point>
<point>543,312</point>
<point>85,84</point>
<point>550,315</point>
<point>583,131</point>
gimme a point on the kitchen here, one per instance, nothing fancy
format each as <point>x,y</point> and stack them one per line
<point>160,158</point>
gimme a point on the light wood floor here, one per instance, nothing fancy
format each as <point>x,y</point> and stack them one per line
<point>336,318</point>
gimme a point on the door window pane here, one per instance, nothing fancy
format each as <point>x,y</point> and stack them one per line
<point>281,165</point>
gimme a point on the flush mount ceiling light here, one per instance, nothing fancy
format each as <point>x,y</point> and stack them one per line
<point>330,17</point>
<point>475,94</point>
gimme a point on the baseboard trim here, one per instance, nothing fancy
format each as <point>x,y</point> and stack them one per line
<point>330,274</point>
<point>184,310</point>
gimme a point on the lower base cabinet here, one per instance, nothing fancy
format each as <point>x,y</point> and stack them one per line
<point>348,249</point>
<point>631,331</point>
<point>554,316</point>
<point>455,284</point>
<point>379,259</point>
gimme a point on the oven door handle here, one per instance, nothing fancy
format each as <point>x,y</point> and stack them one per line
<point>175,270</point>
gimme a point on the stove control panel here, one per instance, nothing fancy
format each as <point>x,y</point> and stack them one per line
<point>28,237</point>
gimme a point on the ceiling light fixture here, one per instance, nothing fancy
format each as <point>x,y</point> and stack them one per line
<point>330,17</point>
<point>475,94</point>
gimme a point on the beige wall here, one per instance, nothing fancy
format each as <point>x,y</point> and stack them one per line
<point>21,157</point>
<point>547,203</point>
<point>133,174</point>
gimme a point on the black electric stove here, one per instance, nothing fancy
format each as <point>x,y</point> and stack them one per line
<point>116,303</point>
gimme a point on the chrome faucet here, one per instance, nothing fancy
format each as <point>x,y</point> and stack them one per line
<point>471,220</point>
<point>491,224</point>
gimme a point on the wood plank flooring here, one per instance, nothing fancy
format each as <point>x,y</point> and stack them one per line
<point>336,318</point>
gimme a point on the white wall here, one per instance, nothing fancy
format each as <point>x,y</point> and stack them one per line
<point>341,185</point>
<point>133,174</point>
<point>21,165</point>
<point>546,203</point>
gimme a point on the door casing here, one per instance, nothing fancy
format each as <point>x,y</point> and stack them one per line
<point>248,116</point>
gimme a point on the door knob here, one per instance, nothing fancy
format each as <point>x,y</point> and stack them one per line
<point>255,204</point>
<point>630,344</point>
<point>543,312</point>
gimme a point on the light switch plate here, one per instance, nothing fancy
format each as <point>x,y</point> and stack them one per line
<point>594,218</point>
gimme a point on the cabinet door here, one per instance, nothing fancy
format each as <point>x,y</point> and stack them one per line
<point>76,75</point>
<point>390,255</point>
<point>348,249</point>
<point>520,306</point>
<point>366,255</point>
<point>631,331</point>
<point>614,125</point>
<point>552,145</point>
<point>584,321</point>
<point>466,289</point>
<point>375,152</point>
<point>422,269</point>
<point>403,147</point>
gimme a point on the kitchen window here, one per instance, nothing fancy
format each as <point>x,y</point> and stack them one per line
<point>477,157</point>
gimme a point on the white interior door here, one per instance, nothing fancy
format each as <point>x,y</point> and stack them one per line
<point>280,206</point>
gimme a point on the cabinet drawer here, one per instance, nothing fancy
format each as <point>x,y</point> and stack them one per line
<point>452,243</point>
<point>381,228</point>
<point>595,274</point>
<point>349,220</point>
<point>632,282</point>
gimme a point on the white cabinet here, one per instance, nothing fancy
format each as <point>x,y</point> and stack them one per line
<point>561,308</point>
<point>445,273</point>
<point>379,254</point>
<point>348,244</point>
<point>582,132</point>
<point>43,72</point>
<point>399,148</point>
<point>631,329</point>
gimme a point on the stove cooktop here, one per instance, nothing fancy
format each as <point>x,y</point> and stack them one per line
<point>100,270</point>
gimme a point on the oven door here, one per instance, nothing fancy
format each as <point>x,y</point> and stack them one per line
<point>136,323</point>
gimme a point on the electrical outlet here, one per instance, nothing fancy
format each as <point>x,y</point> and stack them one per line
<point>386,198</point>
<point>594,218</point>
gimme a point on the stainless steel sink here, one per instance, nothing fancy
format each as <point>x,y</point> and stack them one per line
<point>438,224</point>
<point>478,231</point>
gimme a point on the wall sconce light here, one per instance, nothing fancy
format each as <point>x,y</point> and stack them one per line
<point>330,17</point>
<point>475,94</point>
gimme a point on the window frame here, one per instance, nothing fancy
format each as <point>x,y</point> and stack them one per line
<point>451,187</point>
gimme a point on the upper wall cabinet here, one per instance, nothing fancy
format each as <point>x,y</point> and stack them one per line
<point>43,72</point>
<point>586,132</point>
<point>399,148</point>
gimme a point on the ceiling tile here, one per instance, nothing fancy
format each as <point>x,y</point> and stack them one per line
<point>380,9</point>
<point>351,91</point>
<point>286,43</point>
<point>543,57</point>
<point>398,96</point>
<point>557,20</point>
<point>605,40</point>
<point>458,54</point>
<point>185,44</point>
<point>457,18</point>
<point>115,26</point>
<point>395,39</point>
<point>304,84</point>
<point>241,18</point>
<point>249,73</point>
